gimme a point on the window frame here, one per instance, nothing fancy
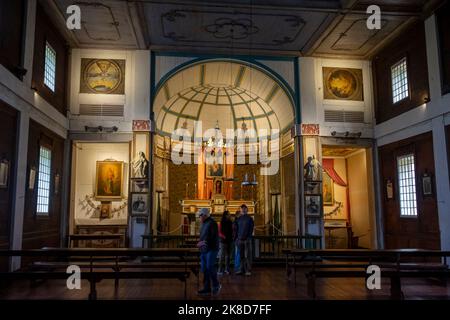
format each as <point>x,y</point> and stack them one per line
<point>397,156</point>
<point>48,44</point>
<point>397,63</point>
<point>50,186</point>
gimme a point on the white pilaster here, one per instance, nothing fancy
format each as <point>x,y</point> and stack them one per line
<point>19,199</point>
<point>442,180</point>
<point>29,42</point>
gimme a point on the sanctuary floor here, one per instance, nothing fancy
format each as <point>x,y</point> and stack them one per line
<point>264,284</point>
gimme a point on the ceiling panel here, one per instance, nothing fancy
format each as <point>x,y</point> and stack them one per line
<point>218,26</point>
<point>105,24</point>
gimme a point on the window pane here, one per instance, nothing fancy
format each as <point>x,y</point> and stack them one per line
<point>399,77</point>
<point>43,181</point>
<point>50,67</point>
<point>407,185</point>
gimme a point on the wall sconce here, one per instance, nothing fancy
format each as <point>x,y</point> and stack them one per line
<point>426,99</point>
<point>346,134</point>
<point>101,129</point>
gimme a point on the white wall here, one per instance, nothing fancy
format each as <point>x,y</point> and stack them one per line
<point>136,99</point>
<point>360,202</point>
<point>313,104</point>
<point>87,154</point>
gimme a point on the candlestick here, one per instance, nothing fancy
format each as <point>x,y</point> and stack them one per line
<point>187,190</point>
<point>195,190</point>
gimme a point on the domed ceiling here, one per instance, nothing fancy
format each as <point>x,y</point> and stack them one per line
<point>229,94</point>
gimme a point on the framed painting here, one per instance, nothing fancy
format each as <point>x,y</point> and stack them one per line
<point>215,169</point>
<point>427,185</point>
<point>139,203</point>
<point>312,205</point>
<point>106,76</point>
<point>109,180</point>
<point>328,190</point>
<point>342,84</point>
<point>4,173</point>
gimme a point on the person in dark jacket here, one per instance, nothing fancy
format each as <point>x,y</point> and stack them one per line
<point>209,248</point>
<point>226,240</point>
<point>244,240</point>
<point>237,254</point>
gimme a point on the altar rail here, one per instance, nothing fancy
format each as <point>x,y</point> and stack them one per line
<point>264,246</point>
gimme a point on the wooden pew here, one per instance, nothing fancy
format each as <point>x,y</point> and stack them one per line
<point>93,264</point>
<point>394,264</point>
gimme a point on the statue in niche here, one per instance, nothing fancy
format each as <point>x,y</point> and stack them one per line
<point>140,166</point>
<point>312,169</point>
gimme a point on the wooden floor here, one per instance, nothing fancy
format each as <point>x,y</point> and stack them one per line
<point>264,284</point>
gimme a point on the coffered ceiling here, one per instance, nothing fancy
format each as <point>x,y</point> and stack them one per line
<point>334,28</point>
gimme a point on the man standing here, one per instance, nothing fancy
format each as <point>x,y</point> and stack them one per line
<point>209,248</point>
<point>244,239</point>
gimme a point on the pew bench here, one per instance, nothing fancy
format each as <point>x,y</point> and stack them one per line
<point>96,276</point>
<point>390,273</point>
<point>394,264</point>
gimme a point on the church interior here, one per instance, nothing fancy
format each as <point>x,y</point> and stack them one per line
<point>121,120</point>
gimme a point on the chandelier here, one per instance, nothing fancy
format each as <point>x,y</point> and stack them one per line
<point>217,141</point>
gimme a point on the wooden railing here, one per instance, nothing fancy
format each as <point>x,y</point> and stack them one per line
<point>263,246</point>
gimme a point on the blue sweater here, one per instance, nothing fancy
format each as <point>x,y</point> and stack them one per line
<point>245,227</point>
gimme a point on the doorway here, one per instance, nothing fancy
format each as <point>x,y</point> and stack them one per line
<point>348,197</point>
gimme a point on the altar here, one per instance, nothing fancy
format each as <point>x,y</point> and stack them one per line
<point>217,204</point>
<point>191,206</point>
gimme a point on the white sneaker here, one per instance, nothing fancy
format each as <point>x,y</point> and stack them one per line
<point>248,273</point>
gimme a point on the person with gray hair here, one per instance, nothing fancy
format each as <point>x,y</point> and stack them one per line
<point>209,248</point>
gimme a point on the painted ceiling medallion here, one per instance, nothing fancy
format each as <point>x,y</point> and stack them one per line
<point>343,84</point>
<point>235,29</point>
<point>102,76</point>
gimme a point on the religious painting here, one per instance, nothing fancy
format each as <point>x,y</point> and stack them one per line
<point>342,84</point>
<point>105,76</point>
<point>105,210</point>
<point>427,186</point>
<point>32,178</point>
<point>57,183</point>
<point>139,203</point>
<point>109,180</point>
<point>4,173</point>
<point>328,190</point>
<point>213,166</point>
<point>389,189</point>
<point>312,205</point>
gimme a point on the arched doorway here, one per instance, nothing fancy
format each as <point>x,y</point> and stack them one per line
<point>222,96</point>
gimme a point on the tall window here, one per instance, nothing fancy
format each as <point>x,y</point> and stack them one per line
<point>407,185</point>
<point>43,196</point>
<point>399,77</point>
<point>50,67</point>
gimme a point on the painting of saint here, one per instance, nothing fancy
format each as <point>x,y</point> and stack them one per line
<point>328,192</point>
<point>215,167</point>
<point>109,180</point>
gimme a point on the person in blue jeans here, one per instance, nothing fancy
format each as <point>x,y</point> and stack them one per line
<point>237,253</point>
<point>209,248</point>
